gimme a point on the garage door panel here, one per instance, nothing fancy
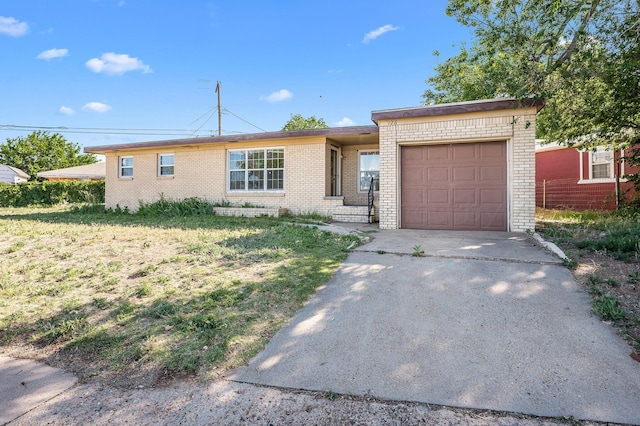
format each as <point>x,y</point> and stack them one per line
<point>493,150</point>
<point>465,220</point>
<point>415,196</point>
<point>456,186</point>
<point>438,196</point>
<point>464,173</point>
<point>466,151</point>
<point>437,174</point>
<point>437,152</point>
<point>493,196</point>
<point>439,220</point>
<point>464,197</point>
<point>492,174</point>
<point>491,221</point>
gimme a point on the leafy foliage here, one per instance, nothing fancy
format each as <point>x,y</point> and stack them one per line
<point>40,151</point>
<point>50,193</point>
<point>582,56</point>
<point>298,122</point>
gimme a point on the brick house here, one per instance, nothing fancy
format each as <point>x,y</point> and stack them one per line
<point>570,178</point>
<point>467,165</point>
<point>94,171</point>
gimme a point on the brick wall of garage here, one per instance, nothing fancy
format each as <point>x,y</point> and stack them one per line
<point>201,171</point>
<point>516,127</point>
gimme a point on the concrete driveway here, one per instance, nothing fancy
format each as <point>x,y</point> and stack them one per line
<point>484,320</point>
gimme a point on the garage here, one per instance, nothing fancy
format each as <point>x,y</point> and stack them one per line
<point>456,186</point>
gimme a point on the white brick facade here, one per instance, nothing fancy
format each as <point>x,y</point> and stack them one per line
<point>202,169</point>
<point>515,126</point>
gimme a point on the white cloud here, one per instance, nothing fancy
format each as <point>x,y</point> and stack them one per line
<point>345,122</point>
<point>96,107</point>
<point>63,110</point>
<point>53,53</point>
<point>372,35</point>
<point>279,96</point>
<point>12,27</point>
<point>116,64</point>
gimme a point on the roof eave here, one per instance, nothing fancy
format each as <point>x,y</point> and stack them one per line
<point>456,108</point>
<point>248,137</point>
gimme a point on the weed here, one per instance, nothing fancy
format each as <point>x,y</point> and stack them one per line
<point>608,308</point>
<point>100,302</point>
<point>381,252</point>
<point>417,251</point>
<point>569,262</point>
<point>634,277</point>
<point>330,395</point>
<point>15,247</point>
<point>143,272</point>
<point>593,280</point>
<point>143,290</point>
<point>611,282</point>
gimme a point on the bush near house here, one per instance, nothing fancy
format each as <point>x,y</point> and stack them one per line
<point>51,193</point>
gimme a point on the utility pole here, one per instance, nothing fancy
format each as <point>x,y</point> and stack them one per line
<point>219,110</point>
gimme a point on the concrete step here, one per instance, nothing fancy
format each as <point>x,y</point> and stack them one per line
<point>353,214</point>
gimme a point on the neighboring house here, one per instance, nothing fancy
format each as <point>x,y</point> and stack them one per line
<point>467,165</point>
<point>568,178</point>
<point>95,171</point>
<point>12,174</point>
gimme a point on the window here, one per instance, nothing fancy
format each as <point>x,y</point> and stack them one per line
<point>126,167</point>
<point>165,165</point>
<point>601,164</point>
<point>368,167</point>
<point>256,170</point>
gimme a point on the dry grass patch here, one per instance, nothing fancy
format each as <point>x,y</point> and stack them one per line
<point>137,299</point>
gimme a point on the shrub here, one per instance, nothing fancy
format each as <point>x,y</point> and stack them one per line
<point>50,193</point>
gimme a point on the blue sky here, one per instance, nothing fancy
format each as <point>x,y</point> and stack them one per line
<point>143,64</point>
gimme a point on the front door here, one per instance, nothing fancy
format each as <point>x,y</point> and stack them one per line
<point>335,172</point>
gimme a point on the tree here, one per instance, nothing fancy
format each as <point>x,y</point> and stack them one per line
<point>582,56</point>
<point>298,122</point>
<point>41,151</point>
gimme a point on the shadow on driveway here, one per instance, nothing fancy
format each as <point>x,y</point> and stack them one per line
<point>485,320</point>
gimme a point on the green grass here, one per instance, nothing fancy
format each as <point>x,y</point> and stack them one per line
<point>613,233</point>
<point>185,293</point>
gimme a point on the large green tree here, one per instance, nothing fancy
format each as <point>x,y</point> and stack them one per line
<point>42,151</point>
<point>582,56</point>
<point>298,122</point>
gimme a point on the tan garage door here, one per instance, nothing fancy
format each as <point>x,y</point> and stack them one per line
<point>457,186</point>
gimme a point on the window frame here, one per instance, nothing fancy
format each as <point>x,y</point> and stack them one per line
<point>121,167</point>
<point>160,165</point>
<point>590,163</point>
<point>359,176</point>
<point>265,159</point>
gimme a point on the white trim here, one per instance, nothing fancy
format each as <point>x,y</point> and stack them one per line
<point>121,167</point>
<point>367,151</point>
<point>255,191</point>
<point>160,166</point>
<point>338,151</point>
<point>612,172</point>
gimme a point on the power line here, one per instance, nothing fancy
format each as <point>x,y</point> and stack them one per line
<point>240,118</point>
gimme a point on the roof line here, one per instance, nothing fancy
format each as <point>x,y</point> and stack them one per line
<point>329,132</point>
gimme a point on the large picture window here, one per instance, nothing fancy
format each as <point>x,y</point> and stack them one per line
<point>368,167</point>
<point>125,168</point>
<point>256,170</point>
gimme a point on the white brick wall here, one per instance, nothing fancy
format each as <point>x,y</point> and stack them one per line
<point>516,127</point>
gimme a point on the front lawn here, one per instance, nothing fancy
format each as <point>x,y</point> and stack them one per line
<point>138,299</point>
